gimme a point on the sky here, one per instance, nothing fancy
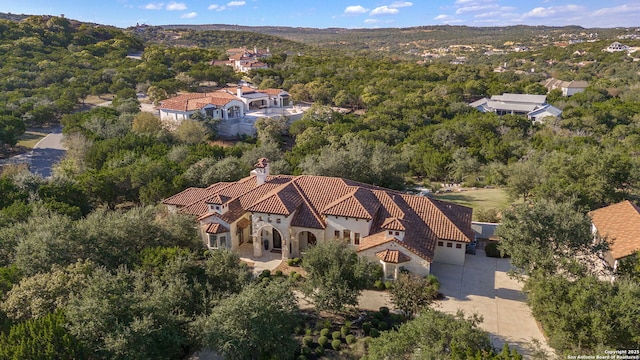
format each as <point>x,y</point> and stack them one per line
<point>334,13</point>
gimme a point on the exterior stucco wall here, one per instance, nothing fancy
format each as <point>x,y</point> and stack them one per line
<point>339,223</point>
<point>416,265</point>
<point>450,255</point>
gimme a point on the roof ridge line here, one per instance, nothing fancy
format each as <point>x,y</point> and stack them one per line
<point>303,195</point>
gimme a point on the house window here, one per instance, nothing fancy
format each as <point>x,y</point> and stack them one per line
<point>458,246</point>
<point>278,220</point>
<point>336,234</point>
<point>356,238</point>
<point>269,219</point>
<point>223,242</point>
<point>259,218</point>
<point>440,243</point>
<point>397,233</point>
<point>213,241</point>
<point>209,111</point>
<point>217,207</point>
<point>449,244</point>
<point>347,235</point>
<point>390,232</point>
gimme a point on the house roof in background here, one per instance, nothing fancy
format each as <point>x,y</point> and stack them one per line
<point>620,225</point>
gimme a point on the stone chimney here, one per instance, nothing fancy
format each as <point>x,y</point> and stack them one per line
<point>261,171</point>
<point>239,90</point>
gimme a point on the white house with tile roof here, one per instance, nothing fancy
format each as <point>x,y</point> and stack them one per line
<point>619,225</point>
<point>535,107</point>
<point>287,214</point>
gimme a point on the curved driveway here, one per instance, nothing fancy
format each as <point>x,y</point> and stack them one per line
<point>46,153</point>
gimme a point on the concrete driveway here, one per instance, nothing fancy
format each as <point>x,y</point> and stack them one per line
<point>482,286</point>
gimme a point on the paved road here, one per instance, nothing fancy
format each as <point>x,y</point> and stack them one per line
<point>46,153</point>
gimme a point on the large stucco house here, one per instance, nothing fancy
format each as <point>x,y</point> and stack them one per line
<point>535,107</point>
<point>288,214</point>
<point>232,106</point>
<point>619,225</point>
<point>568,88</point>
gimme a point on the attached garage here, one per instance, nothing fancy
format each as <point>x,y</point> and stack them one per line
<point>450,252</point>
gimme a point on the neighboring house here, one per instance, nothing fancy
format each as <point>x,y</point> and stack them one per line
<point>532,106</point>
<point>568,88</point>
<point>619,225</point>
<point>230,105</point>
<point>244,60</point>
<point>288,214</point>
<point>616,46</point>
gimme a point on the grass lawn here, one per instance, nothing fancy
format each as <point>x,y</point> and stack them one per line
<point>480,199</point>
<point>30,138</point>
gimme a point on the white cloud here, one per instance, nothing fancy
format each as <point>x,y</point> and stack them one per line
<point>355,10</point>
<point>236,3</point>
<point>190,15</point>
<point>461,2</point>
<point>622,9</point>
<point>400,4</point>
<point>371,21</point>
<point>542,12</point>
<point>383,10</point>
<point>474,8</point>
<point>214,7</point>
<point>154,6</point>
<point>176,6</point>
<point>442,17</point>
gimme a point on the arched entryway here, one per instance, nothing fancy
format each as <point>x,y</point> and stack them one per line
<point>306,239</point>
<point>271,238</point>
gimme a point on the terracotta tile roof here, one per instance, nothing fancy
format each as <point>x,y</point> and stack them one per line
<point>392,256</point>
<point>281,201</point>
<point>215,228</point>
<point>620,225</point>
<point>272,92</point>
<point>217,199</point>
<point>393,223</point>
<point>195,101</point>
<point>186,197</point>
<point>360,203</point>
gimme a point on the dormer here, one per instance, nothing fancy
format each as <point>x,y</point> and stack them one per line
<point>394,228</point>
<point>261,171</point>
<point>218,204</point>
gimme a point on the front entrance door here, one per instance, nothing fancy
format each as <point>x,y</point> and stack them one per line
<point>277,240</point>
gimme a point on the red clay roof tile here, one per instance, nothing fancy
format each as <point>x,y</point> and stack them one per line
<point>620,225</point>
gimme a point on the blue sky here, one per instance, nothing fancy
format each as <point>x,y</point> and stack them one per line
<point>332,13</point>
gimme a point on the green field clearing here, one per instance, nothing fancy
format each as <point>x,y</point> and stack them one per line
<point>480,199</point>
<point>30,138</point>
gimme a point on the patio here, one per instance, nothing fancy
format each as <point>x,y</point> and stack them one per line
<point>268,261</point>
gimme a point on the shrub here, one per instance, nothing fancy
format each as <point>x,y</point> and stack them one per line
<point>265,280</point>
<point>297,276</point>
<point>375,321</point>
<point>324,332</point>
<point>307,332</point>
<point>320,350</point>
<point>378,315</point>
<point>297,261</point>
<point>388,285</point>
<point>323,341</point>
<point>299,330</point>
<point>366,327</point>
<point>290,262</point>
<point>348,324</point>
<point>335,344</point>
<point>384,311</point>
<point>265,274</point>
<point>344,331</point>
<point>382,325</point>
<point>279,273</point>
<point>336,335</point>
<point>307,340</point>
<point>302,356</point>
<point>350,339</point>
<point>379,285</point>
<point>305,350</point>
<point>433,281</point>
<point>375,333</point>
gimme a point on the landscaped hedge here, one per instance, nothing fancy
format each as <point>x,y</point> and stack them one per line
<point>336,335</point>
<point>350,339</point>
<point>325,332</point>
<point>336,344</point>
<point>323,341</point>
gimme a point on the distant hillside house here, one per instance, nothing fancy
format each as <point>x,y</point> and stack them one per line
<point>243,60</point>
<point>568,87</point>
<point>288,214</point>
<point>237,108</point>
<point>532,106</point>
<point>616,46</point>
<point>619,225</point>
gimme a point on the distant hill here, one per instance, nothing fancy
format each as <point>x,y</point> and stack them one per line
<point>13,17</point>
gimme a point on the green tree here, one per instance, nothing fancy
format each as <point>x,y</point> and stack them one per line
<point>336,275</point>
<point>411,294</point>
<point>11,128</point>
<point>44,338</point>
<point>546,237</point>
<point>191,132</point>
<point>433,335</point>
<point>145,122</point>
<point>257,323</point>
